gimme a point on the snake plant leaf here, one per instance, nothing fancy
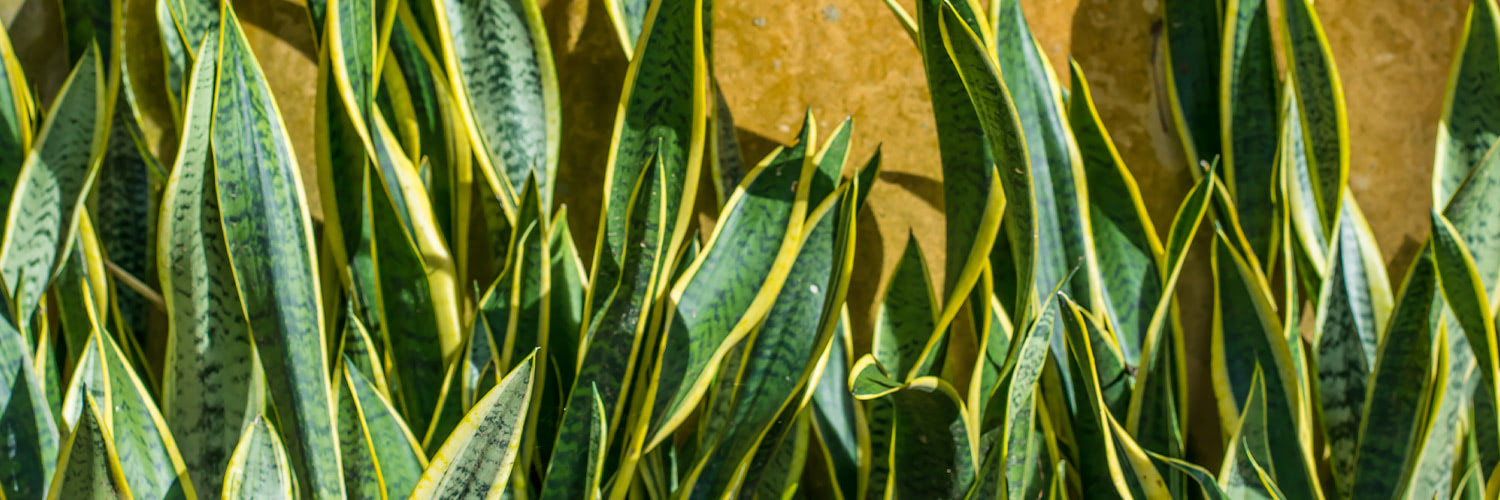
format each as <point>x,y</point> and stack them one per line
<point>88,22</point>
<point>906,315</point>
<point>781,359</point>
<point>268,232</point>
<point>124,205</point>
<point>183,25</point>
<point>1242,475</point>
<point>1248,107</point>
<point>629,19</point>
<point>1058,184</point>
<point>89,467</point>
<point>1353,307</point>
<point>733,282</point>
<point>878,481</point>
<point>840,434</point>
<point>28,430</point>
<point>259,467</point>
<point>724,152</point>
<point>932,448</point>
<point>979,137</point>
<point>81,279</point>
<point>1191,42</point>
<point>15,115</point>
<point>569,284</point>
<point>500,66</point>
<point>51,185</point>
<point>207,394</point>
<point>830,161</point>
<point>783,473</point>
<point>1010,407</point>
<point>1401,386</point>
<point>1464,293</point>
<point>353,52</point>
<point>476,459</point>
<point>662,113</point>
<point>1245,325</point>
<point>381,457</point>
<point>148,456</point>
<point>1320,99</point>
<point>359,353</point>
<point>1126,245</point>
<point>1307,237</point>
<point>616,335</point>
<point>343,163</point>
<point>1466,130</point>
<point>438,137</point>
<point>408,305</point>
<point>1207,484</point>
<point>1108,457</point>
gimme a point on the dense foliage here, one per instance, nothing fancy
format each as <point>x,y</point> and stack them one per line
<point>436,332</point>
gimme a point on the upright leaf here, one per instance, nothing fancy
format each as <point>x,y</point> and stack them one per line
<point>476,460</point>
<point>1247,108</point>
<point>259,466</point>
<point>906,316</point>
<point>500,65</point>
<point>52,184</point>
<point>269,235</point>
<point>381,457</point>
<point>1468,128</point>
<point>1320,98</point>
<point>15,116</point>
<point>1191,48</point>
<point>89,467</point>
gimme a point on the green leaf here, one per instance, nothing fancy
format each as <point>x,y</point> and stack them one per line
<point>478,456</point>
<point>500,65</point>
<point>1401,386</point>
<point>207,393</point>
<point>906,315</point>
<point>1057,175</point>
<point>775,378</point>
<point>1466,130</point>
<point>15,116</point>
<point>734,281</point>
<point>1205,479</point>
<point>89,467</point>
<point>865,177</point>
<point>724,152</point>
<point>830,161</point>
<point>28,430</point>
<point>269,235</point>
<point>1320,99</point>
<point>661,121</point>
<point>381,457</point>
<point>782,474</point>
<point>1353,308</point>
<point>1191,43</point>
<point>628,18</point>
<point>616,334</point>
<point>409,305</point>
<point>932,449</point>
<point>359,353</point>
<point>977,133</point>
<point>1125,242</point>
<point>148,456</point>
<point>1248,335</point>
<point>569,285</point>
<point>839,430</point>
<point>259,466</point>
<point>1464,293</point>
<point>52,184</point>
<point>1242,475</point>
<point>1248,105</point>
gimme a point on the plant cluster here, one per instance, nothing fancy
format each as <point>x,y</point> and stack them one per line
<point>435,332</point>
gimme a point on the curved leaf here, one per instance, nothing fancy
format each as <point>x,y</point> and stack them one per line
<point>1320,99</point>
<point>1191,42</point>
<point>381,457</point>
<point>1247,107</point>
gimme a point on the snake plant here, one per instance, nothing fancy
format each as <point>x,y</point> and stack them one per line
<point>412,316</point>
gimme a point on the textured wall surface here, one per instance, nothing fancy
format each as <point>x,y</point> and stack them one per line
<point>775,58</point>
